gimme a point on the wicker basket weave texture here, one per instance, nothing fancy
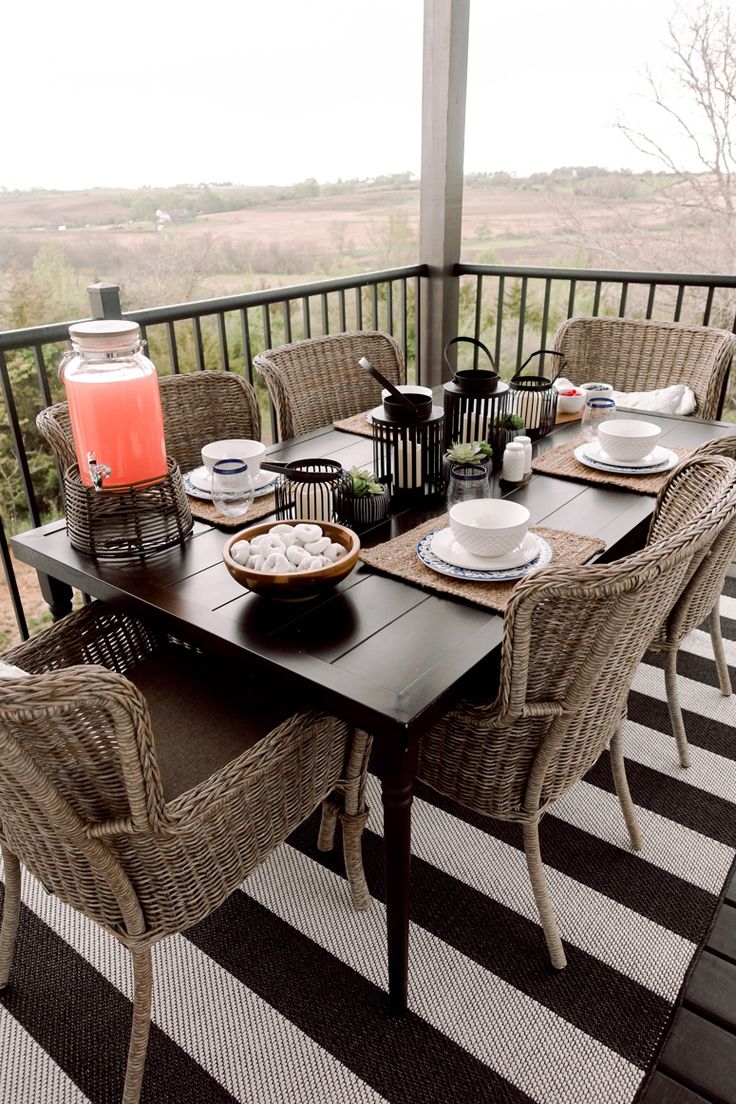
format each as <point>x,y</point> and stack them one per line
<point>638,355</point>
<point>313,383</point>
<point>197,407</point>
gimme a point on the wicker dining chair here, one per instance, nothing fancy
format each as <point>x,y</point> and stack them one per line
<point>314,382</point>
<point>636,355</point>
<point>142,782</point>
<point>685,494</point>
<point>573,638</point>
<point>197,407</point>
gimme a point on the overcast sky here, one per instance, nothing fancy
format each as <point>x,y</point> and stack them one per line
<point>274,91</point>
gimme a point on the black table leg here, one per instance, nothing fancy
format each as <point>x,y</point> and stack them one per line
<point>397,780</point>
<point>58,596</point>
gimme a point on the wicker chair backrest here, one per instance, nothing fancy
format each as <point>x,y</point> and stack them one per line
<point>314,382</point>
<point>693,486</point>
<point>573,640</point>
<point>197,407</point>
<point>636,355</point>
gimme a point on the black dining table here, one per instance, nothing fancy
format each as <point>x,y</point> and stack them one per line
<point>378,652</point>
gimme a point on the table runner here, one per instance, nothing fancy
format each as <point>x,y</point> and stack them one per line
<point>398,558</point>
<point>561,462</point>
<point>207,511</point>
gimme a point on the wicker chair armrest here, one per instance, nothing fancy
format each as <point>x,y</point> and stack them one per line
<point>95,634</point>
<point>226,789</point>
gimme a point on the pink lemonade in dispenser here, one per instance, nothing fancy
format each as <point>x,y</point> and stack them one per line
<point>114,405</point>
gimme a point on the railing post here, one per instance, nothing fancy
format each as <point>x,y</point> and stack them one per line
<point>104,300</point>
<point>441,196</point>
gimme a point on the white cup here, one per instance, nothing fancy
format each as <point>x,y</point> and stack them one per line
<point>235,448</point>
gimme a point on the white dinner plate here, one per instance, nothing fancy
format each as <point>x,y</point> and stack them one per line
<point>474,575</point>
<point>671,460</point>
<point>452,552</point>
<point>595,451</point>
<point>196,489</point>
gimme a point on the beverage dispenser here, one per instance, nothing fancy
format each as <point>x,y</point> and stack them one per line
<point>114,405</point>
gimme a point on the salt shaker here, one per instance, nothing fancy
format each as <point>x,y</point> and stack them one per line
<point>526,443</point>
<point>513,463</point>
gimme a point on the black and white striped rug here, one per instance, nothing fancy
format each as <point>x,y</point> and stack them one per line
<point>279,997</point>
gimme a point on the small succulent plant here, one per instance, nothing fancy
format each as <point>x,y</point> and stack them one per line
<point>474,452</point>
<point>509,421</point>
<point>363,482</point>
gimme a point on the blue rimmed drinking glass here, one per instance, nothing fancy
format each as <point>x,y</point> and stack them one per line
<point>467,481</point>
<point>232,487</point>
<point>597,410</point>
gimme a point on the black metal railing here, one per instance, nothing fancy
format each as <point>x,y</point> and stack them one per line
<point>516,309</point>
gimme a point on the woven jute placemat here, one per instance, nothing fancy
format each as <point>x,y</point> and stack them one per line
<point>398,558</point>
<point>357,424</point>
<point>561,462</point>
<point>207,511</point>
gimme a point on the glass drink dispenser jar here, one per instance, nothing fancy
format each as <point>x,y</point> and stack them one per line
<point>114,405</point>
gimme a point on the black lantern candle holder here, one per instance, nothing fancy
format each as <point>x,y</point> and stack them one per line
<point>310,489</point>
<point>407,452</point>
<point>534,398</point>
<point>476,401</point>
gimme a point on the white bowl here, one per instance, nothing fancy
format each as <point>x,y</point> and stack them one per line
<point>627,439</point>
<point>236,448</point>
<point>489,526</point>
<point>408,389</point>
<point>571,404</point>
<point>596,388</point>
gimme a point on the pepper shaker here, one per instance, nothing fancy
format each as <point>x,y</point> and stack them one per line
<point>526,443</point>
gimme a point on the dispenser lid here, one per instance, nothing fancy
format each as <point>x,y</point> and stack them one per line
<point>105,335</point>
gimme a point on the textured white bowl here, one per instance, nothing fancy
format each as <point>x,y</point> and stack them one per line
<point>627,439</point>
<point>489,526</point>
<point>235,448</point>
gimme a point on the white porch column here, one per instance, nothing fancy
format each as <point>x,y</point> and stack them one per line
<point>441,196</point>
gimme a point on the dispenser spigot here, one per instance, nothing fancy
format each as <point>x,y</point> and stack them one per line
<point>98,473</point>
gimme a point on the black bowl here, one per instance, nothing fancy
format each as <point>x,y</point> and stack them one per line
<point>395,411</point>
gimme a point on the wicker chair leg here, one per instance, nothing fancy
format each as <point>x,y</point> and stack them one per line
<point>673,704</point>
<point>330,809</point>
<point>724,677</point>
<point>352,843</point>
<point>11,915</point>
<point>142,992</point>
<point>623,793</point>
<point>541,894</point>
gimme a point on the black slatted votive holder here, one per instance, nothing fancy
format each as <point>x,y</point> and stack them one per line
<point>310,489</point>
<point>124,523</point>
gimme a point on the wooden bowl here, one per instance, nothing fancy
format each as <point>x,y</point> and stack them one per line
<point>299,585</point>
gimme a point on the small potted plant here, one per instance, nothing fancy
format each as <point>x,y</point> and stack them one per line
<point>502,430</point>
<point>472,452</point>
<point>361,499</point>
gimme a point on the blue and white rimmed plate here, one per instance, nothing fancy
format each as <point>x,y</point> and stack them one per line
<point>588,456</point>
<point>196,482</point>
<point>482,575</point>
